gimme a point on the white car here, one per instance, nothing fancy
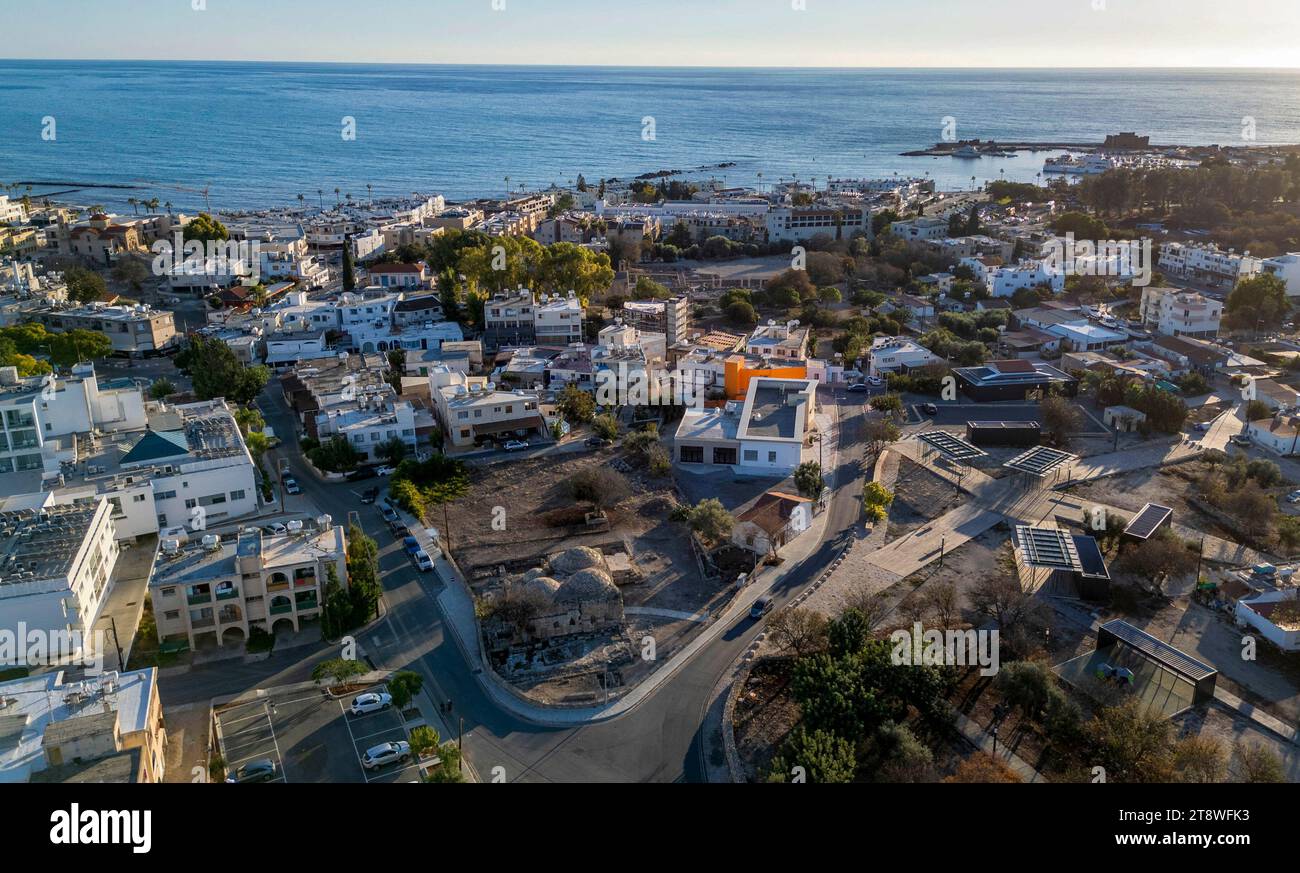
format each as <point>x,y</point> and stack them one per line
<point>276,528</point>
<point>385,753</point>
<point>515,446</point>
<point>1293,497</point>
<point>370,702</point>
<point>385,471</point>
<point>423,561</point>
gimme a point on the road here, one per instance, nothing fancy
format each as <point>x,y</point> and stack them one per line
<point>660,740</point>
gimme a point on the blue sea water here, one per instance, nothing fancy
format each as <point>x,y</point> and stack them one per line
<point>261,134</point>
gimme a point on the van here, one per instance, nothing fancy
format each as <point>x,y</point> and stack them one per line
<point>761,607</point>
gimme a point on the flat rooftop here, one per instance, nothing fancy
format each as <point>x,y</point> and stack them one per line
<point>37,544</point>
<point>773,407</point>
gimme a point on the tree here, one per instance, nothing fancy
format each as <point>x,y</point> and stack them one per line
<point>876,499</point>
<point>808,479</point>
<point>1257,410</point>
<point>338,671</point>
<point>821,756</point>
<point>1258,763</point>
<point>404,686</point>
<point>602,487</point>
<point>84,286</point>
<point>337,455</point>
<point>205,228</point>
<point>1155,561</point>
<point>249,419</point>
<point>364,587</point>
<point>1132,742</point>
<point>741,314</point>
<point>162,388</point>
<point>424,741</point>
<point>983,767</point>
<point>576,405</point>
<point>648,289</point>
<point>1026,685</point>
<point>216,372</point>
<point>77,345</point>
<point>349,268</point>
<point>710,519</point>
<point>1200,759</point>
<point>605,426</point>
<point>802,631</point>
<point>392,450</point>
<point>879,433</point>
<point>1255,302</point>
<point>132,272</point>
<point>890,403</point>
<point>1061,419</point>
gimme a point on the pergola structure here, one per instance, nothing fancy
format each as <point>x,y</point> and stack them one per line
<point>1042,466</point>
<point>955,450</point>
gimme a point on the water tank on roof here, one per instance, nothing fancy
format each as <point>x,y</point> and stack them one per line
<point>294,526</point>
<point>211,542</point>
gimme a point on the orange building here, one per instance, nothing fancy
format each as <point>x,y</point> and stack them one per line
<point>737,375</point>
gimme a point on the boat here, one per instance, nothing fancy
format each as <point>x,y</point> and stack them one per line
<point>1088,165</point>
<point>967,151</point>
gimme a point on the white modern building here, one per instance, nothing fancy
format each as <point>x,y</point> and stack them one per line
<point>1175,312</point>
<point>1205,261</point>
<point>1287,268</point>
<point>893,354</point>
<point>56,569</point>
<point>764,436</point>
<point>792,224</point>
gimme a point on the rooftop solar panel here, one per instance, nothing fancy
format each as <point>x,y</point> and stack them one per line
<point>951,447</point>
<point>1148,520</point>
<point>1047,547</point>
<point>1040,461</point>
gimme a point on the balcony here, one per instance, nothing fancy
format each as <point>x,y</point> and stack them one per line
<point>196,599</point>
<point>281,608</point>
<point>231,594</point>
<point>306,603</point>
<point>202,622</point>
<point>282,585</point>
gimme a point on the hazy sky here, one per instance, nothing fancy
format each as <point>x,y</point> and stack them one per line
<point>836,33</point>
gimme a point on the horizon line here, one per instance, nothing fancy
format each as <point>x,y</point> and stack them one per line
<point>366,63</point>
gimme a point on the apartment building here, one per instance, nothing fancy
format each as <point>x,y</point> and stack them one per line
<point>472,411</point>
<point>1207,262</point>
<point>1174,312</point>
<point>137,331</point>
<point>40,417</point>
<point>188,467</point>
<point>373,321</point>
<point>792,224</point>
<point>671,317</point>
<point>286,256</point>
<point>1004,281</point>
<point>920,229</point>
<point>219,591</point>
<point>558,320</point>
<point>11,212</point>
<point>102,729</point>
<point>56,569</point>
<point>784,342</point>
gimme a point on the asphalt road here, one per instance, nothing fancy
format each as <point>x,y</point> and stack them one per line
<point>660,740</point>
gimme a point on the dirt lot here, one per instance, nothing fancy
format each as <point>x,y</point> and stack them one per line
<point>542,518</point>
<point>919,496</point>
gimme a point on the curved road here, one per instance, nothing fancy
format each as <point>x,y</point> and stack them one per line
<point>662,739</point>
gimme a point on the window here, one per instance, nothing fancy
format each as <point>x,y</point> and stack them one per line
<point>168,592</point>
<point>237,495</point>
<point>751,455</point>
<point>692,454</point>
<point>29,462</point>
<point>771,457</point>
<point>172,614</point>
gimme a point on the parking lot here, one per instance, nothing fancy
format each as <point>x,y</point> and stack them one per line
<point>311,737</point>
<point>951,414</point>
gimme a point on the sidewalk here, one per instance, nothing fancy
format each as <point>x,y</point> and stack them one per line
<point>982,739</point>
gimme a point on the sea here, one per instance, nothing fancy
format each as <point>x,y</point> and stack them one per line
<point>258,135</point>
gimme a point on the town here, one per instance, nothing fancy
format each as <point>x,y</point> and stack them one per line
<point>822,479</point>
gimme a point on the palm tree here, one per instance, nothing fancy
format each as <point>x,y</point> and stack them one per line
<point>507,188</point>
<point>370,193</point>
<point>302,198</point>
<point>168,207</point>
<point>321,196</point>
<point>153,203</point>
<point>337,201</point>
<point>133,203</point>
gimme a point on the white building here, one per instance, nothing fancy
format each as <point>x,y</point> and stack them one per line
<point>557,320</point>
<point>1287,268</point>
<point>1206,261</point>
<point>764,436</point>
<point>472,411</point>
<point>893,354</point>
<point>1175,312</point>
<point>1004,281</point>
<point>919,229</point>
<point>792,224</point>
<point>56,569</point>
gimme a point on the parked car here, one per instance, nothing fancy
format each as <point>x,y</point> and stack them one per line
<point>929,409</point>
<point>361,473</point>
<point>371,701</point>
<point>276,528</point>
<point>411,544</point>
<point>390,515</point>
<point>291,485</point>
<point>369,495</point>
<point>859,386</point>
<point>761,607</point>
<point>1202,427</point>
<point>423,561</point>
<point>1293,497</point>
<point>263,770</point>
<point>1239,439</point>
<point>598,442</point>
<point>515,445</point>
<point>385,471</point>
<point>875,380</point>
<point>385,753</point>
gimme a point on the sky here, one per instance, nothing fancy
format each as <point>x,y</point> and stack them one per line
<point>699,33</point>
